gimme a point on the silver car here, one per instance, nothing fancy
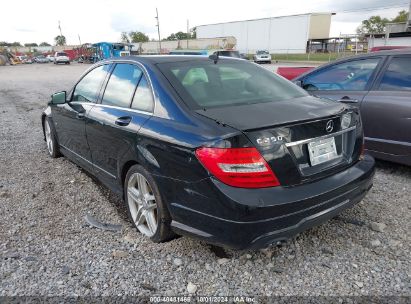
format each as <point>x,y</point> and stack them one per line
<point>262,56</point>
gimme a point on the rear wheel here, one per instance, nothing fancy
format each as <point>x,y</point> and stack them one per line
<point>145,206</point>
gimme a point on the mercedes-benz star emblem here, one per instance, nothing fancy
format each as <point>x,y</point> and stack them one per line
<point>329,127</point>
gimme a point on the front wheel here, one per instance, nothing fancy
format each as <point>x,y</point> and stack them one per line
<point>50,136</point>
<point>145,205</point>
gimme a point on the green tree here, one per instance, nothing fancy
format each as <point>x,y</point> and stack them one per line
<point>30,44</point>
<point>4,43</point>
<point>194,33</point>
<point>15,44</point>
<point>137,37</point>
<point>44,44</point>
<point>60,40</point>
<point>373,25</point>
<point>182,36</point>
<point>401,17</point>
<point>124,37</point>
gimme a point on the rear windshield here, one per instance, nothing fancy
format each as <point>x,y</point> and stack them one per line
<point>61,54</point>
<point>203,84</point>
<point>262,52</point>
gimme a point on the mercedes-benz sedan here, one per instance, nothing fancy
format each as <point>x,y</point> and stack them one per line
<point>216,148</point>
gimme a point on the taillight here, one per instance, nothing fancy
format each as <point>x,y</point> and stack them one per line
<point>238,167</point>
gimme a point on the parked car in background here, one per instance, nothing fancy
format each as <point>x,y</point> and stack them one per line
<point>27,60</point>
<point>61,57</point>
<point>217,148</point>
<point>379,84</point>
<point>41,59</point>
<point>262,56</point>
<point>50,58</point>
<point>388,47</point>
<point>228,53</point>
<point>189,52</point>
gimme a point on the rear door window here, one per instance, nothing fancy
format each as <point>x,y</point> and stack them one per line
<point>89,86</point>
<point>397,76</point>
<point>121,85</point>
<point>347,76</point>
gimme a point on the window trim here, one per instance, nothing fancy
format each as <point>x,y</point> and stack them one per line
<point>371,82</point>
<point>379,78</point>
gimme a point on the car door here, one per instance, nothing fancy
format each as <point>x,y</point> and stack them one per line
<point>386,109</point>
<point>113,124</point>
<point>347,81</point>
<point>69,118</point>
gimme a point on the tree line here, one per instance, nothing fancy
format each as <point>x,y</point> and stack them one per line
<point>137,36</point>
<point>8,44</point>
<point>377,25</point>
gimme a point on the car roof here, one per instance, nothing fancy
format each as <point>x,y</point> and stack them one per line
<point>155,59</point>
<point>406,51</point>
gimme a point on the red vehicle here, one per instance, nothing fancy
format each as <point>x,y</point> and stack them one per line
<point>388,47</point>
<point>292,72</point>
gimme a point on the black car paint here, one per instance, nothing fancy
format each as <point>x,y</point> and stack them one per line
<point>164,143</point>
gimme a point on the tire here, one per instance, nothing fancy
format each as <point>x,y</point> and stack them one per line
<point>51,139</point>
<point>150,216</point>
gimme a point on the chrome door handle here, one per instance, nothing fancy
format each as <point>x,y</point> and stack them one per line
<point>123,121</point>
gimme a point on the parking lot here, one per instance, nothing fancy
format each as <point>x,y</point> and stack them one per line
<point>47,248</point>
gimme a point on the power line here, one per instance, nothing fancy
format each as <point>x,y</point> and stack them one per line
<point>402,5</point>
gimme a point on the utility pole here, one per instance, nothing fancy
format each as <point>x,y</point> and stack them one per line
<point>188,32</point>
<point>60,29</point>
<point>79,40</point>
<point>158,30</point>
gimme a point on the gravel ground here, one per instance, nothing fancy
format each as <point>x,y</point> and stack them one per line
<point>47,249</point>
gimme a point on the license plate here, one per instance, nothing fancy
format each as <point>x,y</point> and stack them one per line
<point>322,150</point>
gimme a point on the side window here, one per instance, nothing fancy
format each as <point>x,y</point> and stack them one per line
<point>88,87</point>
<point>143,98</point>
<point>348,76</point>
<point>397,77</point>
<point>121,85</point>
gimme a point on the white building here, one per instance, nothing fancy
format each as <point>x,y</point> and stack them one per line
<point>287,34</point>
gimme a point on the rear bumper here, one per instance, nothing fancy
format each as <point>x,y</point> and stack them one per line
<point>256,218</point>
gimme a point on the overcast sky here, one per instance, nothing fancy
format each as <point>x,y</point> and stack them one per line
<point>36,21</point>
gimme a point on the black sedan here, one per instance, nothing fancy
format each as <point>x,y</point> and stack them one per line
<point>379,84</point>
<point>216,148</point>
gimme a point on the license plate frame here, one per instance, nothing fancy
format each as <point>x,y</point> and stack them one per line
<point>322,150</point>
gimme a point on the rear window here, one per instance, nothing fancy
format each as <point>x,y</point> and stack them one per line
<point>61,54</point>
<point>203,84</point>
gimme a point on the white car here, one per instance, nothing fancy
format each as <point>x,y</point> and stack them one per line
<point>262,56</point>
<point>61,57</point>
<point>50,58</point>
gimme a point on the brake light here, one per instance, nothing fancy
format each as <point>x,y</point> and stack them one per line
<point>238,167</point>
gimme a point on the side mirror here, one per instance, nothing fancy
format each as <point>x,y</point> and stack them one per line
<point>58,98</point>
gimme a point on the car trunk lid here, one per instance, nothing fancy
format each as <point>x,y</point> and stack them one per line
<point>284,132</point>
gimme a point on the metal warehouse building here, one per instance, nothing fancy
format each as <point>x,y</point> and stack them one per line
<point>287,34</point>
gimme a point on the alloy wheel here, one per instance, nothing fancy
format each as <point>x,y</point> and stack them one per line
<point>49,137</point>
<point>142,204</point>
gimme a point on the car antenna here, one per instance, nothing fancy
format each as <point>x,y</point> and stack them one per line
<point>214,57</point>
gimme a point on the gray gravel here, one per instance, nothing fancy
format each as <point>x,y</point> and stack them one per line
<point>47,248</point>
